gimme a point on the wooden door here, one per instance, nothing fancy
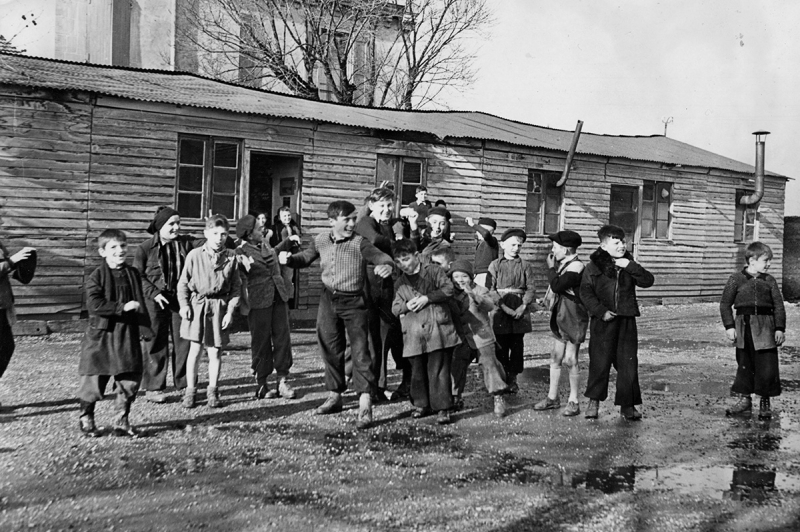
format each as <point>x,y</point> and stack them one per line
<point>624,212</point>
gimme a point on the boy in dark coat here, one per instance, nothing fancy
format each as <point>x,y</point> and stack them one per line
<point>486,250</point>
<point>429,334</point>
<point>757,330</point>
<point>608,290</point>
<point>111,346</point>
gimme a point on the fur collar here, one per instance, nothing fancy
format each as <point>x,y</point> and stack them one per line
<point>605,263</point>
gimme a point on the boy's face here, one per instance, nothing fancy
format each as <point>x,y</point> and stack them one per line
<point>511,247</point>
<point>407,262</point>
<point>422,195</point>
<point>216,237</point>
<point>381,210</point>
<point>559,251</point>
<point>759,264</point>
<point>442,261</point>
<point>437,225</point>
<point>256,236</point>
<point>169,231</point>
<point>614,247</point>
<point>114,252</point>
<point>343,225</point>
<point>461,280</point>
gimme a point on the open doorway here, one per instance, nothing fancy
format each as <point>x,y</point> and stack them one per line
<point>275,183</point>
<point>624,212</point>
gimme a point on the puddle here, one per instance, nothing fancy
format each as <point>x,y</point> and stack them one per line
<point>284,496</point>
<point>512,469</point>
<point>414,437</point>
<point>712,388</point>
<point>6,450</point>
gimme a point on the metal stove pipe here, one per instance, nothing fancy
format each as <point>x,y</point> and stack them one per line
<point>756,196</point>
<point>571,153</point>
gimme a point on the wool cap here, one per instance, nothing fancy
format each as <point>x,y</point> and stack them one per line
<point>569,239</point>
<point>245,225</point>
<point>25,268</point>
<point>439,211</point>
<point>462,265</point>
<point>487,221</point>
<point>163,214</point>
<point>508,233</point>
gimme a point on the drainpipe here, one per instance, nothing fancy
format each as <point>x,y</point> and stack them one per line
<point>571,153</point>
<point>756,196</point>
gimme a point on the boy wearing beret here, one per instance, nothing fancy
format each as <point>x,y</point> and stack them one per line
<point>486,249</point>
<point>513,280</point>
<point>433,237</point>
<point>608,289</point>
<point>568,319</point>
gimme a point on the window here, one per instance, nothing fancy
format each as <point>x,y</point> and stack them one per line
<point>209,174</point>
<point>404,175</point>
<point>656,211</point>
<point>744,225</point>
<point>543,204</point>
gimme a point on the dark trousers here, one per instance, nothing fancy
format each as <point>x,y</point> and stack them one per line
<point>386,335</point>
<point>758,370</point>
<point>166,325</point>
<point>614,343</point>
<point>6,341</point>
<point>270,340</point>
<point>93,388</point>
<point>510,352</point>
<point>430,380</point>
<point>494,376</point>
<point>339,313</point>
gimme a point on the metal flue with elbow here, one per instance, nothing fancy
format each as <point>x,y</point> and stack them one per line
<point>571,153</point>
<point>756,196</point>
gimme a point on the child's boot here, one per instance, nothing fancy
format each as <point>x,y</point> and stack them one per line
<point>443,418</point>
<point>286,391</point>
<point>331,405</point>
<point>189,397</point>
<point>121,425</point>
<point>458,403</point>
<point>513,387</point>
<point>499,406</point>
<point>548,404</point>
<point>630,413</point>
<point>212,393</point>
<point>86,422</point>
<point>364,411</point>
<point>592,411</point>
<point>743,407</point>
<point>764,410</point>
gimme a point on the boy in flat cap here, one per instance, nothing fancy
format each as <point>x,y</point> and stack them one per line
<point>608,289</point>
<point>265,297</point>
<point>433,237</point>
<point>568,319</point>
<point>486,249</point>
<point>512,278</point>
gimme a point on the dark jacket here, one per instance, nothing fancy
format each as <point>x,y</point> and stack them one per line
<point>261,278</point>
<point>148,262</point>
<point>486,251</point>
<point>754,296</point>
<point>606,287</point>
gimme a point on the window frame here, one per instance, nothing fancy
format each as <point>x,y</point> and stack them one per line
<point>396,181</point>
<point>657,187</point>
<point>740,224</point>
<point>547,182</point>
<point>207,192</point>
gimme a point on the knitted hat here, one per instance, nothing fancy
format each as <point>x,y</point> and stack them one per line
<point>487,221</point>
<point>569,239</point>
<point>462,265</point>
<point>513,232</point>
<point>163,214</point>
<point>245,225</point>
<point>439,211</point>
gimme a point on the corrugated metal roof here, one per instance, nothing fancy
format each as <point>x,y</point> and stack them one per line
<point>196,91</point>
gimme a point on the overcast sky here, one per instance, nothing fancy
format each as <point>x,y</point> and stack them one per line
<point>721,69</point>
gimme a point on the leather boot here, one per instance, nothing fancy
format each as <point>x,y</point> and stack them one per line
<point>743,407</point>
<point>592,411</point>
<point>331,405</point>
<point>765,409</point>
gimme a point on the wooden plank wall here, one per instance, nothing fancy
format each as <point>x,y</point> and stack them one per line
<point>44,168</point>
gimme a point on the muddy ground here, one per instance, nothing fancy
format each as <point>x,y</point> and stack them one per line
<point>272,465</point>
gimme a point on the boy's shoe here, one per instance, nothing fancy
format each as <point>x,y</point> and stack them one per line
<point>331,405</point>
<point>155,396</point>
<point>513,387</point>
<point>572,409</point>
<point>499,406</point>
<point>630,413</point>
<point>122,427</point>
<point>443,418</point>
<point>592,410</point>
<point>458,403</point>
<point>286,391</point>
<point>765,410</point>
<point>88,428</point>
<point>743,407</point>
<point>420,412</point>
<point>401,393</point>
<point>261,391</point>
<point>364,412</point>
<point>189,398</point>
<point>548,404</point>
<point>212,394</point>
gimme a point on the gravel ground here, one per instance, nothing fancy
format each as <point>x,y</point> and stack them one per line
<point>272,465</point>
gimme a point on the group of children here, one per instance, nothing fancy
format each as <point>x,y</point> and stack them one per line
<point>433,312</point>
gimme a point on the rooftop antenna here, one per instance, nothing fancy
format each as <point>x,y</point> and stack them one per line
<point>667,121</point>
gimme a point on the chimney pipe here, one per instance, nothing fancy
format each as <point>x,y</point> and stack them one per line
<point>571,153</point>
<point>756,196</point>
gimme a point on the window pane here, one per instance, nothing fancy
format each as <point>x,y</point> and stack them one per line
<point>552,203</point>
<point>662,229</point>
<point>190,178</point>
<point>534,182</point>
<point>532,214</point>
<point>647,191</point>
<point>226,155</point>
<point>222,204</point>
<point>647,228</point>
<point>664,193</point>
<point>386,170</point>
<point>225,181</point>
<point>192,151</point>
<point>412,173</point>
<point>738,225</point>
<point>663,211</point>
<point>189,205</point>
<point>551,223</point>
<point>409,194</point>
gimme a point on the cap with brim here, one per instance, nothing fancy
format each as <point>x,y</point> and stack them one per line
<point>513,232</point>
<point>439,211</point>
<point>25,269</point>
<point>569,239</point>
<point>487,221</point>
<point>245,225</point>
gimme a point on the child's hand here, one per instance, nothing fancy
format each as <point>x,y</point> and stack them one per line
<point>22,254</point>
<point>383,271</point>
<point>551,260</point>
<point>412,219</point>
<point>507,310</point>
<point>779,337</point>
<point>161,301</point>
<point>186,313</point>
<point>519,311</point>
<point>731,334</point>
<point>283,257</point>
<point>418,303</point>
<point>470,221</point>
<point>130,305</point>
<point>608,316</point>
<point>226,320</point>
<point>295,238</point>
<point>622,263</point>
